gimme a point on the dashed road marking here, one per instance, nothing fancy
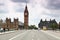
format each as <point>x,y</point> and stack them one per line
<point>32,39</point>
<point>18,35</point>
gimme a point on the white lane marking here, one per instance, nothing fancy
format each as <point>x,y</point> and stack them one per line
<point>17,35</point>
<point>32,39</point>
<point>51,34</point>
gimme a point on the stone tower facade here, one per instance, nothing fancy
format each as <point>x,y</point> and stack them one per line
<point>15,23</point>
<point>10,25</point>
<point>26,18</point>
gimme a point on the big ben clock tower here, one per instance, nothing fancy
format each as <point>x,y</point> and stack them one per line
<point>26,14</point>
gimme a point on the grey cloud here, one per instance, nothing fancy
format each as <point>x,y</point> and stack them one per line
<point>56,15</point>
<point>23,1</point>
<point>19,10</point>
<point>1,4</point>
<point>53,4</point>
<point>3,11</point>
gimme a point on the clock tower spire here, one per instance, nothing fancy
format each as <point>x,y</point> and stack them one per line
<point>26,17</point>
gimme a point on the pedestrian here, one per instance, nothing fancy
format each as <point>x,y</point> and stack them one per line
<point>4,29</point>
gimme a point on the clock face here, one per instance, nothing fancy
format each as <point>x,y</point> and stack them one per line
<point>25,13</point>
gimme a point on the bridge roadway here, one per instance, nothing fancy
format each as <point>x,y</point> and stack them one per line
<point>27,35</point>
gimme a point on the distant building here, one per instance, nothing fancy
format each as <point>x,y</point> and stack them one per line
<point>46,23</point>
<point>59,25</point>
<point>7,24</point>
<point>10,25</point>
<point>1,21</point>
<point>21,25</point>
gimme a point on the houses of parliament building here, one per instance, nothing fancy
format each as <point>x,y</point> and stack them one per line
<point>8,24</point>
<point>15,24</point>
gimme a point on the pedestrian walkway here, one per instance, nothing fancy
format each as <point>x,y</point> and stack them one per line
<point>55,34</point>
<point>6,32</point>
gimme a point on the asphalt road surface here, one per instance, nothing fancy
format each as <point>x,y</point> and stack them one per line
<point>27,35</point>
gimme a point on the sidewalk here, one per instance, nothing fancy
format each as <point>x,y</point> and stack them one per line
<point>52,33</point>
<point>6,32</point>
<point>57,33</point>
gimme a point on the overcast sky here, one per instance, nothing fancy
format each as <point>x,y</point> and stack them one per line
<point>38,9</point>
